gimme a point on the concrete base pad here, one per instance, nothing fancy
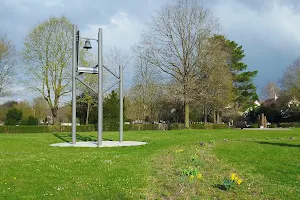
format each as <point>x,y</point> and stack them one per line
<point>104,144</point>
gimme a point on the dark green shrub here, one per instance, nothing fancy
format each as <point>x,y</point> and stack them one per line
<point>273,126</point>
<point>23,122</point>
<point>208,126</point>
<point>13,116</point>
<point>81,128</point>
<point>295,124</point>
<point>291,124</point>
<point>23,129</point>
<point>145,127</point>
<point>253,126</point>
<point>54,128</point>
<point>176,126</point>
<point>197,126</point>
<point>32,121</point>
<point>45,129</point>
<point>86,128</point>
<point>10,122</point>
<point>107,127</point>
<point>219,126</point>
<point>140,127</point>
<point>110,125</point>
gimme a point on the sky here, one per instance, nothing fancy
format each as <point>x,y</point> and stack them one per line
<point>268,30</point>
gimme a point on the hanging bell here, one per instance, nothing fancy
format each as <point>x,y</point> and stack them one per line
<point>87,45</point>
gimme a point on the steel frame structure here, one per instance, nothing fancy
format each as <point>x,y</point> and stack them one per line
<point>98,69</point>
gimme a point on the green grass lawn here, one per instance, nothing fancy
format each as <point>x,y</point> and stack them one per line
<point>267,161</point>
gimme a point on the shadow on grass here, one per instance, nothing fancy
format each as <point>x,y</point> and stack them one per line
<point>68,137</point>
<point>220,186</point>
<point>63,136</point>
<point>84,138</point>
<point>280,144</point>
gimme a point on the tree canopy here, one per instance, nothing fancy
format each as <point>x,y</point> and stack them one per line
<point>47,55</point>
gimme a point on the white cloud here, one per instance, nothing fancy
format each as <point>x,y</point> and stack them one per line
<point>121,31</point>
<point>269,33</point>
<point>275,27</point>
<point>18,93</point>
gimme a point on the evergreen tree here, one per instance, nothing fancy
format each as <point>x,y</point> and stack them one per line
<point>111,107</point>
<point>244,89</point>
<point>13,116</point>
<point>111,112</point>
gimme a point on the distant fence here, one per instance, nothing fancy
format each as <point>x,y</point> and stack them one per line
<point>90,128</point>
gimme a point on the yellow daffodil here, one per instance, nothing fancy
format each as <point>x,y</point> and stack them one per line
<point>239,181</point>
<point>199,176</point>
<point>179,150</point>
<point>233,176</point>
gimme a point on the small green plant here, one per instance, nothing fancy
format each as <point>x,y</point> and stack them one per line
<point>230,182</point>
<point>194,157</point>
<point>196,160</point>
<point>212,141</point>
<point>191,173</point>
<point>179,151</point>
<point>227,183</point>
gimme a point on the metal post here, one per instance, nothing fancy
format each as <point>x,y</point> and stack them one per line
<point>121,103</point>
<point>100,88</point>
<point>74,61</point>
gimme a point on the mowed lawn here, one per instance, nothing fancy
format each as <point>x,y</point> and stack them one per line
<point>267,161</point>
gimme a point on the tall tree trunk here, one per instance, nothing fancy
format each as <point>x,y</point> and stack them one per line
<point>54,111</point>
<point>87,113</point>
<point>218,117</point>
<point>144,111</point>
<point>186,108</point>
<point>186,115</point>
<point>205,115</point>
<point>214,114</point>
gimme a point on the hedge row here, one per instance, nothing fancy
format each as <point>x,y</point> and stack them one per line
<point>140,127</point>
<point>106,127</point>
<point>253,126</point>
<point>44,129</point>
<point>290,124</point>
<point>283,125</point>
<point>175,126</point>
<point>208,126</point>
<point>256,126</point>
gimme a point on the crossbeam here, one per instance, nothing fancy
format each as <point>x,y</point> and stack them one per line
<point>89,70</point>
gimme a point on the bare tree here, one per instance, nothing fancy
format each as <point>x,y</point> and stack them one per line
<point>40,107</point>
<point>47,54</point>
<point>215,78</point>
<point>7,64</point>
<point>116,57</point>
<point>272,90</point>
<point>291,79</point>
<point>26,109</point>
<point>172,40</point>
<point>146,86</point>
